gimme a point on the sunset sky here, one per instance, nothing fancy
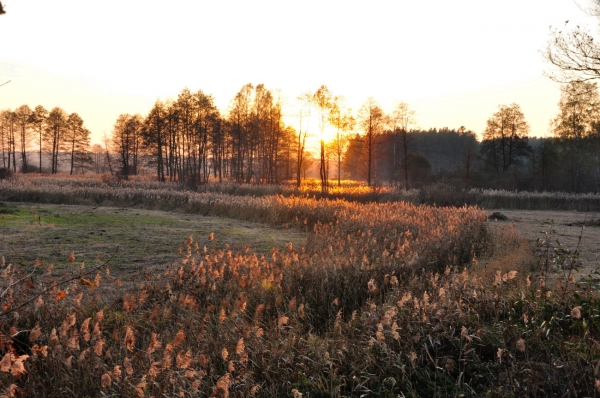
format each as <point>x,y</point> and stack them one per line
<point>454,61</point>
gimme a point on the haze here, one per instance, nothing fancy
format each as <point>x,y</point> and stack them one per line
<point>453,62</point>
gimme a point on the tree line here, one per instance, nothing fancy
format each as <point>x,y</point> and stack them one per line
<point>59,136</point>
<point>189,140</point>
<point>505,158</point>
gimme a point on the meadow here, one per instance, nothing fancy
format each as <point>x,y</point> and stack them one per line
<point>382,298</point>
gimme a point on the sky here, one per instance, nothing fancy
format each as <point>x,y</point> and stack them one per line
<point>454,62</point>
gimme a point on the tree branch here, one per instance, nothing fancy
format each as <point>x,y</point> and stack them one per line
<point>59,284</point>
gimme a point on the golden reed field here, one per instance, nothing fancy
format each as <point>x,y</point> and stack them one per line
<point>384,299</point>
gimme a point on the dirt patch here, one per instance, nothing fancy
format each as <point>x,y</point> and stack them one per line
<point>567,226</point>
<point>147,239</point>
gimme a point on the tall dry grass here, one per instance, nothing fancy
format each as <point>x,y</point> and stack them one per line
<point>143,191</point>
<point>384,300</point>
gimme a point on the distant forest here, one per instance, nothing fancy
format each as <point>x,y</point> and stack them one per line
<point>190,141</point>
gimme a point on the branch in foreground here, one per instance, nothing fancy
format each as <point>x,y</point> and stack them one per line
<point>60,283</point>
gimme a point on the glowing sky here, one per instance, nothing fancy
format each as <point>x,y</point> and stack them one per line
<point>453,61</point>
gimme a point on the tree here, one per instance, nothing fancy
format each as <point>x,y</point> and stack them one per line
<point>419,168</point>
<point>7,132</point>
<point>240,118</point>
<point>56,124</point>
<point>402,118</point>
<point>575,54</point>
<point>579,107</point>
<point>23,120</point>
<point>343,121</point>
<point>8,122</point>
<point>505,138</point>
<point>579,110</point>
<point>126,140</point>
<point>303,112</point>
<point>77,139</point>
<point>38,119</point>
<point>323,101</point>
<point>154,138</point>
<point>469,149</point>
<point>545,164</point>
<point>372,120</point>
<point>97,158</point>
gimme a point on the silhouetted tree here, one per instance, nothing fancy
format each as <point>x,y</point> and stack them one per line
<point>418,168</point>
<point>77,140</point>
<point>343,121</point>
<point>23,121</point>
<point>574,53</point>
<point>8,131</point>
<point>154,138</point>
<point>372,119</point>
<point>322,100</point>
<point>505,138</point>
<point>38,119</point>
<point>401,119</point>
<point>303,114</point>
<point>353,163</point>
<point>126,140</point>
<point>56,124</point>
<point>579,110</point>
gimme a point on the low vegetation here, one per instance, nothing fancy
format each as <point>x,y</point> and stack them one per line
<point>383,299</point>
<point>147,193</point>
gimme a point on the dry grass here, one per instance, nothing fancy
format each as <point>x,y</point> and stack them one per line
<point>386,299</point>
<point>144,191</point>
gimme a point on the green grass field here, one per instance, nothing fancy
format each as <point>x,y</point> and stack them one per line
<point>147,239</point>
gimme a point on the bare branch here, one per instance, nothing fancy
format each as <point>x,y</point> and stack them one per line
<point>575,54</point>
<point>55,285</point>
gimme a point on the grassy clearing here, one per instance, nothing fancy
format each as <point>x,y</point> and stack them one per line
<point>147,239</point>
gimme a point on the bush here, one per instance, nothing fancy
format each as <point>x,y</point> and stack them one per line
<point>5,173</point>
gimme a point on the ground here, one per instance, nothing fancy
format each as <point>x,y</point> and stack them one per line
<point>567,226</point>
<point>147,239</point>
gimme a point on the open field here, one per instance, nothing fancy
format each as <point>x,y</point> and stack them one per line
<point>147,239</point>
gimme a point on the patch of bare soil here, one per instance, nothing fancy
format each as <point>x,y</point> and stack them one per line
<point>568,226</point>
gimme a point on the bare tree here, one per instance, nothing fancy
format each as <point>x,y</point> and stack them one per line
<point>97,155</point>
<point>56,124</point>
<point>127,137</point>
<point>322,100</point>
<point>38,119</point>
<point>372,120</point>
<point>7,131</point>
<point>23,118</point>
<point>402,118</point>
<point>303,113</point>
<point>574,52</point>
<point>154,137</point>
<point>343,121</point>
<point>77,138</point>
